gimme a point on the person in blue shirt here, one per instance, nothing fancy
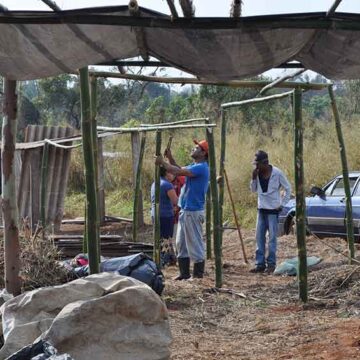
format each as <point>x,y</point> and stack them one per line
<point>189,238</point>
<point>168,200</point>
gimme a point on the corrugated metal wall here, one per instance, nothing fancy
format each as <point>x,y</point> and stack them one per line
<point>30,170</point>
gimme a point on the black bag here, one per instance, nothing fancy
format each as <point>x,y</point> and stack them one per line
<point>138,266</point>
<point>41,350</point>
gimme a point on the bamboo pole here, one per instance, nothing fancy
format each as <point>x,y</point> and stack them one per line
<point>157,203</point>
<point>256,100</point>
<point>174,122</point>
<point>9,206</point>
<point>172,8</point>
<point>137,193</point>
<point>280,80</point>
<point>236,7</point>
<point>235,217</point>
<point>144,129</point>
<point>187,8</point>
<point>43,191</point>
<point>208,224</point>
<point>92,225</point>
<point>230,83</point>
<point>300,197</point>
<point>221,170</point>
<point>333,8</point>
<point>94,141</point>
<point>345,171</point>
<point>215,203</point>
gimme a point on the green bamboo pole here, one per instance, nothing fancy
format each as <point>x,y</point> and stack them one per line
<point>208,224</point>
<point>93,104</point>
<point>215,203</point>
<point>345,171</point>
<point>231,83</point>
<point>137,189</point>
<point>153,128</point>
<point>300,197</point>
<point>175,122</point>
<point>9,204</point>
<point>157,203</point>
<point>43,193</point>
<point>221,170</point>
<point>89,161</point>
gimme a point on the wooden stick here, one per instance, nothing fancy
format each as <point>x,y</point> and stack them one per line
<point>256,100</point>
<point>279,81</point>
<point>231,83</point>
<point>215,202</point>
<point>91,196</point>
<point>174,122</point>
<point>187,8</point>
<point>345,171</point>
<point>221,169</point>
<point>43,192</point>
<point>333,8</point>
<point>129,130</point>
<point>235,217</point>
<point>157,204</point>
<point>235,10</point>
<point>172,8</point>
<point>300,197</point>
<point>9,205</point>
<point>137,193</point>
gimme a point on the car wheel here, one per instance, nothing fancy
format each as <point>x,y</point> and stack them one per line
<point>290,225</point>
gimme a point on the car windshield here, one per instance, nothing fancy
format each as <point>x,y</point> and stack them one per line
<point>338,189</point>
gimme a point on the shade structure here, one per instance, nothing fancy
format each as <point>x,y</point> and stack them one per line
<point>41,44</point>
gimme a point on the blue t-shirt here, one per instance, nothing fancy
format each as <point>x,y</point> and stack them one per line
<point>166,207</point>
<point>193,193</point>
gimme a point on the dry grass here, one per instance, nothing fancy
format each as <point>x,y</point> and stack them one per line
<point>270,322</point>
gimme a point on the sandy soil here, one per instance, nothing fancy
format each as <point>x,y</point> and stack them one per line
<point>260,317</point>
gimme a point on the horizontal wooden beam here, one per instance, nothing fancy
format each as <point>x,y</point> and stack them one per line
<point>339,21</point>
<point>122,130</point>
<point>174,122</point>
<point>256,100</point>
<point>153,63</point>
<point>191,80</point>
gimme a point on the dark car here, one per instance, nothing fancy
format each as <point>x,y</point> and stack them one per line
<point>325,209</point>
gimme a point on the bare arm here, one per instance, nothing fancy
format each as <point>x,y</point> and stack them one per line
<point>173,197</point>
<point>174,169</point>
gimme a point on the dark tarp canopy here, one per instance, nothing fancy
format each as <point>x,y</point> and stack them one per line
<point>39,44</point>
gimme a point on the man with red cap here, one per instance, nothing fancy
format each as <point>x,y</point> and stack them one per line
<point>189,240</point>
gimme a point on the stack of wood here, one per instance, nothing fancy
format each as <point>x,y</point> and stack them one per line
<point>111,246</point>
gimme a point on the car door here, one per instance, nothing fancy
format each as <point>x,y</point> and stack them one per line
<point>356,210</point>
<point>326,214</point>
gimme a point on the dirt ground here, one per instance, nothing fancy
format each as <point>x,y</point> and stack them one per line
<point>261,317</point>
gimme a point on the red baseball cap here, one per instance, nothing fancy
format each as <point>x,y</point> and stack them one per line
<point>203,144</point>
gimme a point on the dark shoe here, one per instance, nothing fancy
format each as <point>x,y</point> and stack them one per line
<point>199,270</point>
<point>184,267</point>
<point>258,269</point>
<point>270,269</point>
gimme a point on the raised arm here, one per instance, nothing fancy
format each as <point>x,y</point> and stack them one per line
<point>174,169</point>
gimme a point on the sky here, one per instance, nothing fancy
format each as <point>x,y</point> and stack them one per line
<point>203,7</point>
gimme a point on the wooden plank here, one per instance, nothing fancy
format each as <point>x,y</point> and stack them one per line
<point>101,186</point>
<point>135,147</point>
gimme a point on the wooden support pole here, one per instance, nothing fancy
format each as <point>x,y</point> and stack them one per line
<point>235,217</point>
<point>138,205</point>
<point>9,205</point>
<point>230,83</point>
<point>157,203</point>
<point>43,189</point>
<point>174,122</point>
<point>151,128</point>
<point>345,171</point>
<point>300,197</point>
<point>187,7</point>
<point>93,109</point>
<point>215,203</point>
<point>92,223</point>
<point>172,8</point>
<point>208,224</point>
<point>221,170</point>
<point>235,10</point>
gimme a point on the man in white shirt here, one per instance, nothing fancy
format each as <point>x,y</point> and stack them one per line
<point>267,180</point>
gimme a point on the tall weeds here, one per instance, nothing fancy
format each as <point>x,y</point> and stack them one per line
<point>321,157</point>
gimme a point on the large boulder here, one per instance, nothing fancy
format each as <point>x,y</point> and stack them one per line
<point>115,317</point>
